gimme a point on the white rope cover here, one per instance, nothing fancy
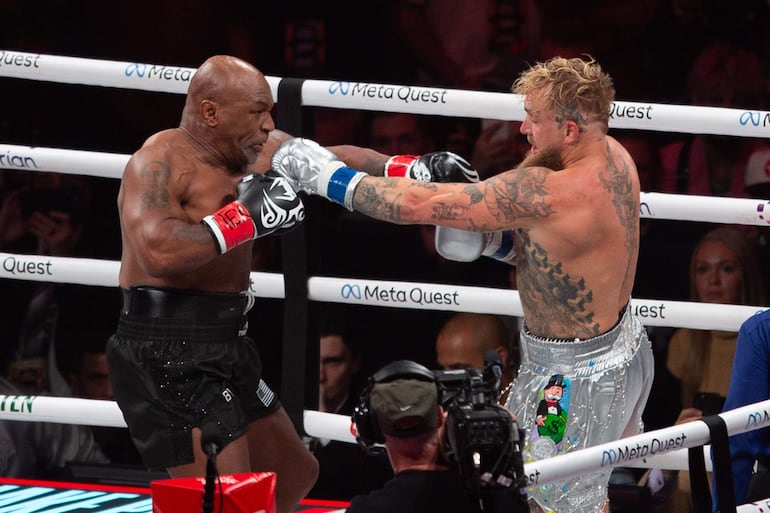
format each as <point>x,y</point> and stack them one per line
<point>639,450</point>
<point>654,205</point>
<point>385,97</point>
<point>391,294</point>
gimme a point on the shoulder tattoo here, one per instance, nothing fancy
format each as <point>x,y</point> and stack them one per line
<point>617,181</point>
<point>155,177</point>
<point>518,194</point>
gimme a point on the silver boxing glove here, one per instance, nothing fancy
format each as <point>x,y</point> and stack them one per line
<point>313,169</point>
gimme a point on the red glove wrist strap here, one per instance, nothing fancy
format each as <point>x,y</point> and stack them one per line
<point>398,165</point>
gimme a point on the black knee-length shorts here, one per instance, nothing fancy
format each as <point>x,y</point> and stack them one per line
<point>184,364</point>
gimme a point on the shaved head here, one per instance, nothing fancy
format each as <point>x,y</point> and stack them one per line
<point>217,75</point>
<point>465,338</point>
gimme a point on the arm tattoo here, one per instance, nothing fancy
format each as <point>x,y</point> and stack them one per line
<point>559,303</point>
<point>618,184</point>
<point>155,176</point>
<point>384,203</point>
<point>519,194</point>
<point>455,210</point>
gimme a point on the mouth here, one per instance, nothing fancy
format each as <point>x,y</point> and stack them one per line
<point>714,297</point>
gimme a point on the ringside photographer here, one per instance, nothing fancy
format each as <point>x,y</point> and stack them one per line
<point>428,423</point>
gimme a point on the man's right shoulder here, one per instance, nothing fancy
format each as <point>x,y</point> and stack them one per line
<point>161,146</point>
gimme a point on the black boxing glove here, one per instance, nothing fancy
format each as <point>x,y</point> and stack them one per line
<point>439,166</point>
<point>265,205</point>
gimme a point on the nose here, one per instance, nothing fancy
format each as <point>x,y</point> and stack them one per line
<point>713,277</point>
<point>269,124</point>
<point>524,126</point>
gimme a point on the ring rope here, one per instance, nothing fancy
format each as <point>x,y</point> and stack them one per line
<point>392,294</point>
<point>384,97</point>
<point>638,450</point>
<point>653,205</point>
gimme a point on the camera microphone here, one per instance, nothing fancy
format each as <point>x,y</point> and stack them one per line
<point>212,442</point>
<point>493,368</point>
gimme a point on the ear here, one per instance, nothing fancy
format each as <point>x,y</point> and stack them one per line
<point>209,112</point>
<point>571,131</point>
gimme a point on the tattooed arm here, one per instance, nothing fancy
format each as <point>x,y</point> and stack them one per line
<point>508,200</point>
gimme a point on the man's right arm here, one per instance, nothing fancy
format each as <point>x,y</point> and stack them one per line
<point>367,160</point>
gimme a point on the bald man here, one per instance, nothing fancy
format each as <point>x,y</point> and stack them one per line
<point>464,339</point>
<point>189,214</point>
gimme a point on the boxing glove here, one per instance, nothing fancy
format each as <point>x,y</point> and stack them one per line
<point>315,170</point>
<point>265,205</point>
<point>442,166</point>
<point>465,246</point>
<point>439,166</point>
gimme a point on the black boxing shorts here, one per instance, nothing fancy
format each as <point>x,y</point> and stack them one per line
<point>179,359</point>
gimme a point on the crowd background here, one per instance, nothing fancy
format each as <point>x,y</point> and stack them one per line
<point>698,52</point>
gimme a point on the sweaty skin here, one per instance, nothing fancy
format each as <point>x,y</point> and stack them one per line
<point>577,229</point>
<point>177,177</point>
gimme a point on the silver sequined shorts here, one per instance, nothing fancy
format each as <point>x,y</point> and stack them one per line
<point>573,394</point>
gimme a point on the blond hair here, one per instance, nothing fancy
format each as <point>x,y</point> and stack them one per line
<point>575,88</point>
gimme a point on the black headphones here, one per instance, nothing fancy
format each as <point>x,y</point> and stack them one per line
<point>368,432</point>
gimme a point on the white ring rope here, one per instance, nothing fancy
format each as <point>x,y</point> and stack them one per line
<point>654,205</point>
<point>385,97</point>
<point>391,294</point>
<point>644,450</point>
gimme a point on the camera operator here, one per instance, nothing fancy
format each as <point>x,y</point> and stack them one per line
<point>401,409</point>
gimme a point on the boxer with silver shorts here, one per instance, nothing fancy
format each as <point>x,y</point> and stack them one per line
<point>604,382</point>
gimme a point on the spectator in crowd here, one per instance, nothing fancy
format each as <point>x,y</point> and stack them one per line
<point>723,270</point>
<point>499,147</point>
<point>44,215</point>
<point>465,339</point>
<point>80,353</point>
<point>750,383</point>
<point>345,470</point>
<point>723,75</point>
<point>459,44</point>
<point>42,450</point>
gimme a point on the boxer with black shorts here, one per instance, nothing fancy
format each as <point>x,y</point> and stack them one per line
<point>568,218</point>
<point>190,210</point>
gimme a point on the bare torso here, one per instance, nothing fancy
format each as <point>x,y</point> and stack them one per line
<point>167,188</point>
<point>577,230</point>
<point>576,265</point>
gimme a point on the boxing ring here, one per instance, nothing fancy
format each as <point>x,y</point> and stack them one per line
<point>664,448</point>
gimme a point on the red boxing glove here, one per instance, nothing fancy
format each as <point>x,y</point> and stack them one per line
<point>231,226</point>
<point>265,205</point>
<point>400,165</point>
<point>438,166</point>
